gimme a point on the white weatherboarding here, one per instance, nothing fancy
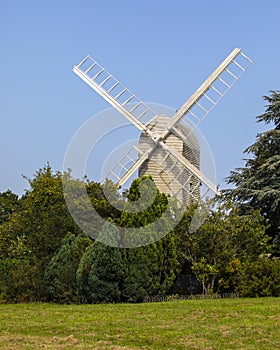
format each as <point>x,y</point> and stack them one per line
<point>168,149</point>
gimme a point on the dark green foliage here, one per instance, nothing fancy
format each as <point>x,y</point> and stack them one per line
<point>140,273</point>
<point>217,248</point>
<point>272,113</point>
<point>257,184</point>
<point>42,223</point>
<point>260,278</point>
<point>16,280</point>
<point>60,274</point>
<point>99,196</point>
<point>101,272</point>
<point>45,210</point>
<point>88,204</point>
<point>141,192</point>
<point>32,234</point>
<point>40,261</point>
<point>9,203</point>
<point>150,269</point>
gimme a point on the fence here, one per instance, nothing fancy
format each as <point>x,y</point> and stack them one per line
<point>164,298</point>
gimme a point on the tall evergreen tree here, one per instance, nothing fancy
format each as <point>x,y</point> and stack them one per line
<point>60,274</point>
<point>101,271</point>
<point>257,184</point>
<point>151,268</point>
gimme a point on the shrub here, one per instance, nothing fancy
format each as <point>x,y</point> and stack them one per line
<point>260,278</point>
<point>60,274</point>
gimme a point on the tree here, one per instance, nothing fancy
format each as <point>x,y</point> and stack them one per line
<point>220,245</point>
<point>142,273</point>
<point>88,204</point>
<point>257,184</point>
<point>260,278</point>
<point>60,274</point>
<point>32,228</point>
<point>9,203</point>
<point>46,215</point>
<point>16,282</point>
<point>34,231</point>
<point>105,199</point>
<point>150,268</point>
<point>101,271</point>
<point>145,203</point>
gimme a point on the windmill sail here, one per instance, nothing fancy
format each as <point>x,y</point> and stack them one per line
<point>206,97</point>
<point>127,165</point>
<point>136,111</point>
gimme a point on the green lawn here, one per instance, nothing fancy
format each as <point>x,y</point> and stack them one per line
<point>191,324</point>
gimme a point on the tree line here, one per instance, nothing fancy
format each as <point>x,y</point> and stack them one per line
<point>45,256</point>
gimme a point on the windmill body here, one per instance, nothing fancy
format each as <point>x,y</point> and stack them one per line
<point>163,176</point>
<point>167,149</point>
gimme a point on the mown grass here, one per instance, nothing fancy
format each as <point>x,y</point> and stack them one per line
<point>190,324</point>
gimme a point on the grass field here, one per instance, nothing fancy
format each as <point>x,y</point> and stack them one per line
<point>191,324</point>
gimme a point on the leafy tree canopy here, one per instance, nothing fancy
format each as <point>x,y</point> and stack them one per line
<point>34,229</point>
<point>224,241</point>
<point>9,203</point>
<point>257,184</point>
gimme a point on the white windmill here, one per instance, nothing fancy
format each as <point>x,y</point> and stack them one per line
<point>167,149</point>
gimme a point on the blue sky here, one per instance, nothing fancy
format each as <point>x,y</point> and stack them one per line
<point>160,50</point>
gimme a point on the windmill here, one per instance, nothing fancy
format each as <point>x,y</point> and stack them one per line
<point>167,149</point>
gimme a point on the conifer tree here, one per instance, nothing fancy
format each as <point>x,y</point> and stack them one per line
<point>101,271</point>
<point>60,274</point>
<point>257,184</point>
<point>151,268</point>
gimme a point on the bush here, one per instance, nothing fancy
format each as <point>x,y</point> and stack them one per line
<point>60,274</point>
<point>260,278</point>
<point>17,281</point>
<point>101,271</point>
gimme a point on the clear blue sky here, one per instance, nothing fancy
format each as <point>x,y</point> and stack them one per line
<point>161,50</point>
